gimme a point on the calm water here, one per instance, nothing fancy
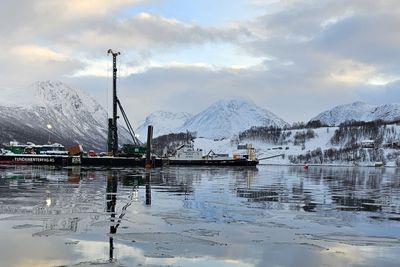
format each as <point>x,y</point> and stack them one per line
<point>269,216</point>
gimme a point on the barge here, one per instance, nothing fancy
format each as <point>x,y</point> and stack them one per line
<point>185,155</point>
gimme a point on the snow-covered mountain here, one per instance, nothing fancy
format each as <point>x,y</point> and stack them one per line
<point>163,122</point>
<point>224,119</point>
<point>358,111</point>
<point>74,116</point>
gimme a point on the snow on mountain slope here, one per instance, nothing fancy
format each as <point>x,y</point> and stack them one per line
<point>163,123</point>
<point>388,112</point>
<point>358,111</point>
<point>226,118</point>
<point>75,117</point>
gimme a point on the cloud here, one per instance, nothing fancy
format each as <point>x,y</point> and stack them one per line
<point>26,64</point>
<point>368,39</point>
<point>330,45</point>
<point>37,53</point>
<point>73,9</point>
<point>148,33</point>
<point>84,30</point>
<point>297,55</point>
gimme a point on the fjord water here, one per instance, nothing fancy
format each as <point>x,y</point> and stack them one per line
<point>181,216</point>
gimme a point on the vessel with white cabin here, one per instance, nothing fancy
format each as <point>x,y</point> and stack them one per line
<point>186,154</point>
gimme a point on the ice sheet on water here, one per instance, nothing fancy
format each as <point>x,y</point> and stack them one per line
<point>52,232</point>
<point>97,263</point>
<point>27,218</point>
<point>357,240</point>
<point>44,217</point>
<point>179,217</point>
<point>26,226</point>
<point>165,238</point>
<point>202,232</point>
<point>104,223</point>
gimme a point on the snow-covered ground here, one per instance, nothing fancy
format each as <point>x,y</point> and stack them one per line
<point>321,140</point>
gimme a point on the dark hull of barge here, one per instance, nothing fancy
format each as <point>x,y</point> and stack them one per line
<point>32,159</point>
<point>58,160</point>
<point>204,162</point>
<point>119,162</point>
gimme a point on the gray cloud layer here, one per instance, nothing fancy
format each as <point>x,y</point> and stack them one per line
<point>313,54</point>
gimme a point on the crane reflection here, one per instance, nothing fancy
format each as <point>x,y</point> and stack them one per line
<point>111,200</point>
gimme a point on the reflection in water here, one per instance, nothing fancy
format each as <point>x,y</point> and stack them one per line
<point>366,189</point>
<point>112,185</point>
<point>148,188</point>
<point>111,201</point>
<point>205,216</point>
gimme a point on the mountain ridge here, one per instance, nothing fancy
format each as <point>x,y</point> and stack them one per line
<point>358,111</point>
<point>222,119</point>
<point>226,118</point>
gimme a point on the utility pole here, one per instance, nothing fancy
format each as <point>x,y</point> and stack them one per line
<point>115,100</point>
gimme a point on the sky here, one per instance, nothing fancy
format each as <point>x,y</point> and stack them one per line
<point>295,58</point>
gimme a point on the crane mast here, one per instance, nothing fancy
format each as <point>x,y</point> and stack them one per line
<point>113,124</point>
<point>115,100</point>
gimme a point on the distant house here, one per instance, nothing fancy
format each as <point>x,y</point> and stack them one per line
<point>367,143</point>
<point>393,144</point>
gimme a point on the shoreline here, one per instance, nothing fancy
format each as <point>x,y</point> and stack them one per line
<point>328,165</point>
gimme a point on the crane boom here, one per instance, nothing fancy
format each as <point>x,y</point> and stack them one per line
<point>135,140</point>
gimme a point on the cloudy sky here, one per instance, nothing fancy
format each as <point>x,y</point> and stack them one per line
<point>294,58</point>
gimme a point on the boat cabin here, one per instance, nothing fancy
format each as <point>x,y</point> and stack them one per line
<point>246,151</point>
<point>187,152</point>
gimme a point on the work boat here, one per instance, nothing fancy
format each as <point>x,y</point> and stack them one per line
<point>188,155</point>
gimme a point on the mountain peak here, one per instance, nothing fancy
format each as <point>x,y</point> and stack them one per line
<point>225,118</point>
<point>234,101</point>
<point>56,93</point>
<point>233,104</point>
<point>357,104</point>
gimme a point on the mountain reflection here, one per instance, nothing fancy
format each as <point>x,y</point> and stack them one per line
<point>352,189</point>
